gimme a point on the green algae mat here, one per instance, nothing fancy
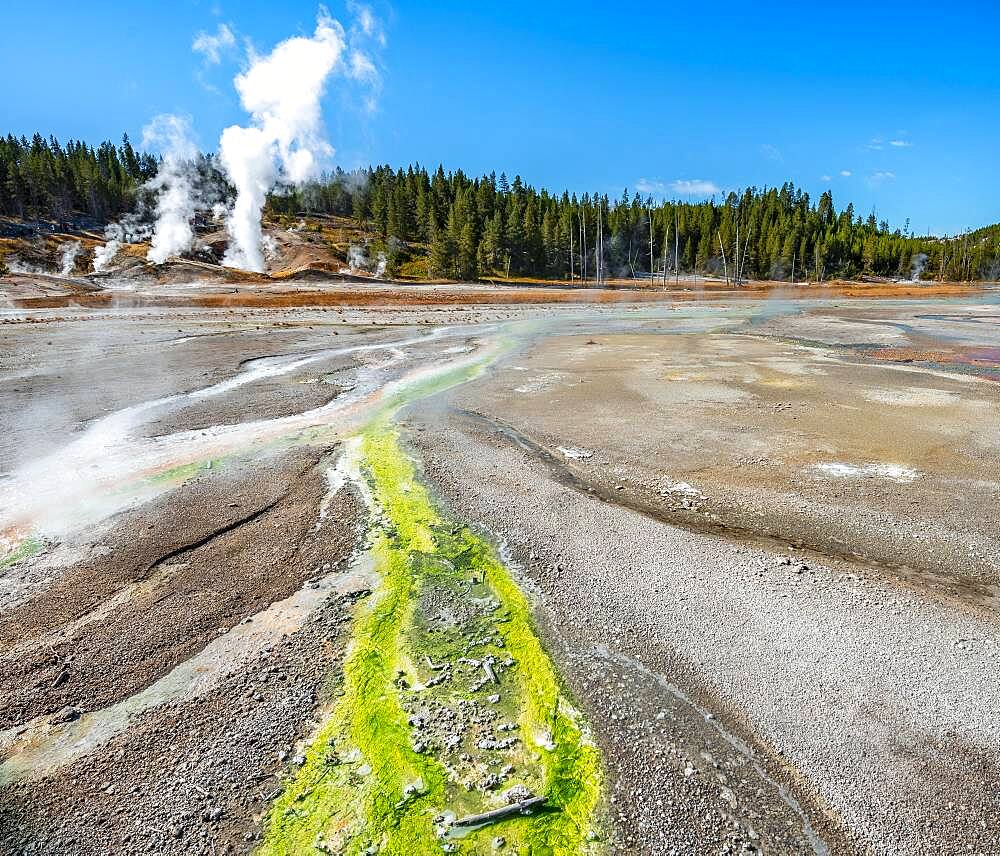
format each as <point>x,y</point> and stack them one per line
<point>449,709</point>
<point>31,546</point>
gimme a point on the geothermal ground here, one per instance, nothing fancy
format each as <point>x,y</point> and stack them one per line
<point>440,569</point>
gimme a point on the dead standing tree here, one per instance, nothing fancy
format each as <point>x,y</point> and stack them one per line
<point>736,255</point>
<point>652,258</point>
<point>746,249</point>
<point>677,250</point>
<point>725,266</point>
<point>599,261</point>
<point>666,236</point>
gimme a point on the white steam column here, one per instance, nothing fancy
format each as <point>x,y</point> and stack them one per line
<point>177,198</point>
<point>282,94</point>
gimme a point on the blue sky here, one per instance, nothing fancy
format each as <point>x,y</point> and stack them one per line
<point>890,105</point>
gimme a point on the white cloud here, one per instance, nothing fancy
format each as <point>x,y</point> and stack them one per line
<point>646,185</point>
<point>845,173</point>
<point>880,177</point>
<point>695,187</point>
<point>363,61</point>
<point>366,22</point>
<point>878,144</point>
<point>771,153</point>
<point>825,178</point>
<point>362,68</point>
<point>685,186</point>
<point>212,46</point>
<point>204,84</point>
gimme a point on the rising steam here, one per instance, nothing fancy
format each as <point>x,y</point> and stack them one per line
<point>282,94</point>
<point>177,197</point>
<point>917,265</point>
<point>283,144</point>
<point>103,256</point>
<point>129,230</point>
<point>67,257</point>
<point>359,262</point>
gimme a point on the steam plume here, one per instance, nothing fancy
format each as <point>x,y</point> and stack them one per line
<point>283,143</point>
<point>282,93</point>
<point>917,265</point>
<point>177,198</point>
<point>103,256</point>
<point>67,261</point>
<point>129,230</point>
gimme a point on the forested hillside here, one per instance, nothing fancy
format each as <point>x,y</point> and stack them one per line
<point>468,228</point>
<point>43,179</point>
<point>475,227</point>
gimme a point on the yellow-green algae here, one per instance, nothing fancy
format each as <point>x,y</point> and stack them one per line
<point>26,549</point>
<point>364,787</point>
<point>182,472</point>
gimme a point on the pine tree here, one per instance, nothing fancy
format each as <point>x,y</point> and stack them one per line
<point>514,236</point>
<point>462,236</point>
<point>441,260</point>
<point>491,245</point>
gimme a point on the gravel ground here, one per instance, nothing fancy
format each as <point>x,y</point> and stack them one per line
<point>744,703</point>
<point>856,693</point>
<point>81,643</point>
<point>191,777</point>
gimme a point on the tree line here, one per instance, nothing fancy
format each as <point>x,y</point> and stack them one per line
<point>487,226</point>
<point>43,179</point>
<point>484,227</point>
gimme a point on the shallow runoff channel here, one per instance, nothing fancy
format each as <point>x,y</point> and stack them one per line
<point>451,729</point>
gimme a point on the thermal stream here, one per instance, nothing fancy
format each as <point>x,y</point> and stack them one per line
<point>109,469</point>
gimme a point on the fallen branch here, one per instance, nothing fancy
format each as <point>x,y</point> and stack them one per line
<point>523,807</point>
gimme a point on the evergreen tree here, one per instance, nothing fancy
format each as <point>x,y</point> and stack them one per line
<point>491,246</point>
<point>441,261</point>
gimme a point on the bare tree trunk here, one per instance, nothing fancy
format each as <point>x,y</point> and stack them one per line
<point>649,222</point>
<point>725,267</point>
<point>599,261</point>
<point>585,245</point>
<point>746,249</point>
<point>736,255</point>
<point>677,249</point>
<point>793,267</point>
<point>666,235</point>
